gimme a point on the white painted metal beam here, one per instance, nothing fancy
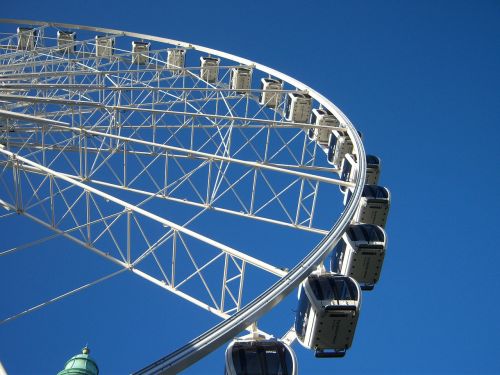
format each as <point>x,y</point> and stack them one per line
<point>238,254</point>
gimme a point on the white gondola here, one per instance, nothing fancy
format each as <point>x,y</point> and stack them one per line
<point>327,313</point>
<point>66,41</point>
<point>26,38</point>
<point>322,117</point>
<point>209,70</point>
<point>374,205</point>
<point>261,356</point>
<point>176,58</point>
<point>104,46</point>
<point>360,254</point>
<point>339,145</point>
<point>298,107</point>
<point>348,169</point>
<point>140,52</point>
<point>240,79</point>
<point>270,98</point>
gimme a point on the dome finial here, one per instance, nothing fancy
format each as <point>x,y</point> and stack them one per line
<point>80,364</point>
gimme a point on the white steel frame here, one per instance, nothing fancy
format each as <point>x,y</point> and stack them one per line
<point>66,122</point>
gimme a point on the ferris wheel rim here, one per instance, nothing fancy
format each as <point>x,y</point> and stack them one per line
<point>230,327</point>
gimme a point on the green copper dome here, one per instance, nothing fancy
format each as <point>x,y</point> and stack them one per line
<point>80,364</point>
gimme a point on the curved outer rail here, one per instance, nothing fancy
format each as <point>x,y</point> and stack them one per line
<point>229,328</point>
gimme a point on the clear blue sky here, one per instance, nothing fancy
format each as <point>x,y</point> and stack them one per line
<point>421,80</point>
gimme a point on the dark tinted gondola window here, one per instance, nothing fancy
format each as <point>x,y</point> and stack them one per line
<point>262,359</point>
<point>348,196</point>
<point>313,118</point>
<point>301,315</point>
<point>321,288</point>
<point>344,289</point>
<point>330,154</point>
<point>337,256</point>
<point>276,361</point>
<point>333,288</point>
<point>372,160</point>
<point>273,362</point>
<point>346,170</point>
<point>311,133</point>
<point>332,144</point>
<point>365,232</point>
<point>288,105</point>
<point>288,361</point>
<point>375,192</point>
<point>246,361</point>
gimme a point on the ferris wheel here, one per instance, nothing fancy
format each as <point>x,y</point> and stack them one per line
<point>122,142</point>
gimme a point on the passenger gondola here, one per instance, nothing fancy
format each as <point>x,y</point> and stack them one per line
<point>209,70</point>
<point>26,38</point>
<point>260,357</point>
<point>104,46</point>
<point>140,52</point>
<point>327,313</point>
<point>176,59</point>
<point>360,254</point>
<point>66,41</point>
<point>349,169</point>
<point>374,205</point>
<point>268,97</point>
<point>322,117</point>
<point>339,145</point>
<point>240,79</point>
<point>298,107</point>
